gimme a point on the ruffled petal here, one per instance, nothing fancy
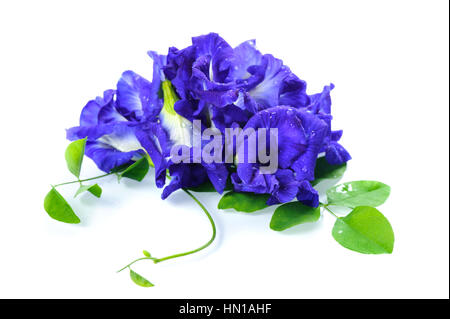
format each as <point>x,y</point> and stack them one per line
<point>245,56</point>
<point>320,105</point>
<point>156,143</point>
<point>217,174</point>
<point>293,92</point>
<point>292,141</point>
<point>315,131</point>
<point>109,114</point>
<point>192,109</point>
<point>224,117</point>
<point>287,187</point>
<point>336,154</point>
<point>321,102</point>
<point>220,53</point>
<point>134,97</point>
<point>307,194</point>
<point>89,114</point>
<point>261,184</point>
<point>107,157</point>
<point>183,176</point>
<point>267,92</point>
<point>108,145</point>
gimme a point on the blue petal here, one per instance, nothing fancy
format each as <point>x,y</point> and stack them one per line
<point>267,92</point>
<point>218,175</point>
<point>136,97</point>
<point>321,102</point>
<point>292,140</point>
<point>107,157</point>
<point>261,184</point>
<point>156,143</point>
<point>336,135</point>
<point>293,92</point>
<point>183,176</point>
<point>287,187</point>
<point>109,143</point>
<point>179,69</point>
<point>315,130</point>
<point>336,154</point>
<point>89,114</point>
<point>192,109</point>
<point>307,194</point>
<point>109,114</point>
<point>321,106</point>
<point>220,53</point>
<point>245,56</point>
<point>224,117</point>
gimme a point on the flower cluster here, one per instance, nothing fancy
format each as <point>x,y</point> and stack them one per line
<point>221,87</point>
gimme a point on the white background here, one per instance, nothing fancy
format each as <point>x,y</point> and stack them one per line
<point>389,62</point>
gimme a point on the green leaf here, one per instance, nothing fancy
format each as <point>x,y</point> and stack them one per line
<point>243,202</point>
<point>139,280</point>
<point>120,168</point>
<point>74,156</point>
<point>137,170</point>
<point>325,171</point>
<point>293,213</point>
<point>208,187</point>
<point>359,193</point>
<point>95,190</point>
<point>146,253</point>
<point>58,208</point>
<point>364,230</point>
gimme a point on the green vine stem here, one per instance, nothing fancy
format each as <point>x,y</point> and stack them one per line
<point>325,206</point>
<point>84,180</point>
<point>213,225</point>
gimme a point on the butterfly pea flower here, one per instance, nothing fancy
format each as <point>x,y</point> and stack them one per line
<point>320,105</point>
<point>199,74</point>
<point>117,125</point>
<point>300,138</point>
<point>221,85</point>
<point>110,131</point>
<point>163,128</point>
<point>265,81</point>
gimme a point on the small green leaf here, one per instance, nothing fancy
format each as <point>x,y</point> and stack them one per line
<point>139,280</point>
<point>95,190</point>
<point>325,171</point>
<point>358,193</point>
<point>58,208</point>
<point>364,230</point>
<point>146,253</point>
<point>74,156</point>
<point>293,213</point>
<point>243,202</point>
<point>137,170</point>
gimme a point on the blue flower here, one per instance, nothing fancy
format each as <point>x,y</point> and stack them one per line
<point>117,125</point>
<point>335,153</point>
<point>300,138</point>
<point>161,127</point>
<point>221,85</point>
<point>111,139</point>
